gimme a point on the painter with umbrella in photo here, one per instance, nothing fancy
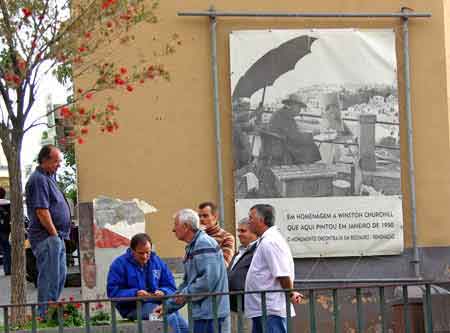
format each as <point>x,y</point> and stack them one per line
<point>281,140</point>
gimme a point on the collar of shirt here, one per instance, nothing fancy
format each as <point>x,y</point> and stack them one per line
<point>268,232</point>
<point>245,248</point>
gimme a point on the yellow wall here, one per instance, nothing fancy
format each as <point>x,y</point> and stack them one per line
<point>164,151</point>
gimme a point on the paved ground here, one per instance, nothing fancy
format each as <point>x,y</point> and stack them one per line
<point>31,292</point>
<point>5,291</point>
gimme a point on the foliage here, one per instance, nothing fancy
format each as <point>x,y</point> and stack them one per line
<point>74,40</point>
<point>67,180</point>
<point>42,31</point>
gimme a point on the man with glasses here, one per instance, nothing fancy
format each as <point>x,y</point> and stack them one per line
<point>238,270</point>
<point>139,272</point>
<point>49,215</point>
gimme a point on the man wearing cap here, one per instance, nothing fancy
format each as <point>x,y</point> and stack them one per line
<point>298,146</point>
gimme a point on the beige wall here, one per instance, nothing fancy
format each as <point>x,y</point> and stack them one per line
<point>164,151</point>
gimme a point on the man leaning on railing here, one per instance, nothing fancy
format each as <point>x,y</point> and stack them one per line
<point>272,268</point>
<point>139,272</point>
<point>204,272</point>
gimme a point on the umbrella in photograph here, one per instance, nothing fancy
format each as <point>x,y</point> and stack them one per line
<point>272,65</point>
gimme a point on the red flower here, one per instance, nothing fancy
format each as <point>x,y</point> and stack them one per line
<point>111,107</point>
<point>130,88</point>
<point>93,117</point>
<point>71,134</point>
<point>26,12</point>
<point>99,306</point>
<point>88,35</point>
<point>78,305</point>
<point>71,298</point>
<point>119,81</point>
<point>62,141</point>
<point>123,70</point>
<point>80,141</point>
<point>109,24</point>
<point>110,128</point>
<point>141,81</point>
<point>80,91</point>
<point>81,110</point>
<point>89,95</point>
<point>84,131</point>
<point>65,112</point>
<point>82,49</point>
<point>16,79</point>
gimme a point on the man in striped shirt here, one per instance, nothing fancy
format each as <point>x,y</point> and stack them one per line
<point>207,211</point>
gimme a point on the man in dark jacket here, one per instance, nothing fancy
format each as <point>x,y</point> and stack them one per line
<point>238,268</point>
<point>5,230</point>
<point>139,272</point>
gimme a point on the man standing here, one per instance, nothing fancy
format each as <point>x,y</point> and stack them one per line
<point>139,272</point>
<point>239,267</point>
<point>204,272</point>
<point>272,268</point>
<point>207,211</point>
<point>5,230</point>
<point>49,215</point>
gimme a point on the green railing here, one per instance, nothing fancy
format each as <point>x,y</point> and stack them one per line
<point>87,322</point>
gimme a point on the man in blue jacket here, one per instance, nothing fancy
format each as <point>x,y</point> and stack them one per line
<point>204,272</point>
<point>139,272</point>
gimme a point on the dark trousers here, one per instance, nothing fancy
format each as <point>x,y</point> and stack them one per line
<point>4,243</point>
<point>206,325</point>
<point>274,324</point>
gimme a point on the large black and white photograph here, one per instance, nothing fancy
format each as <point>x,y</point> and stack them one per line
<point>315,113</point>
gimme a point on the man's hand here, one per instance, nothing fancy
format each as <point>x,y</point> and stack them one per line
<point>143,293</point>
<point>296,297</point>
<point>180,300</point>
<point>158,311</point>
<point>158,293</point>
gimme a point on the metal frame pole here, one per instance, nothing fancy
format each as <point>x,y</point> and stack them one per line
<point>404,14</point>
<point>306,15</point>
<point>215,76</point>
<point>412,179</point>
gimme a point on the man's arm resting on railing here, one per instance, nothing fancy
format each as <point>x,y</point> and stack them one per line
<point>287,283</point>
<point>45,218</point>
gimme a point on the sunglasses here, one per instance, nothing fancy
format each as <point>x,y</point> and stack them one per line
<point>203,215</point>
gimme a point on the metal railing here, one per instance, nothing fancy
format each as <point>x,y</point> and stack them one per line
<point>311,302</point>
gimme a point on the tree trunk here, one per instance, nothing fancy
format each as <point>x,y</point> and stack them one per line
<point>18,296</point>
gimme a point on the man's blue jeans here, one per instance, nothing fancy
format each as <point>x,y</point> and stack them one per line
<point>206,325</point>
<point>175,320</point>
<point>51,264</point>
<point>4,242</point>
<point>274,324</point>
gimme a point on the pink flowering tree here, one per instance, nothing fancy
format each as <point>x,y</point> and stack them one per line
<point>69,39</point>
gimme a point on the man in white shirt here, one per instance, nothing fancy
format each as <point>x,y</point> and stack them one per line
<point>272,268</point>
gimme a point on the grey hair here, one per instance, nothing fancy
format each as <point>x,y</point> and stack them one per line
<point>245,221</point>
<point>190,217</point>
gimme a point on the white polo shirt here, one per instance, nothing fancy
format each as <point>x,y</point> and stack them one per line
<point>272,259</point>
